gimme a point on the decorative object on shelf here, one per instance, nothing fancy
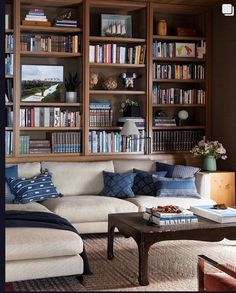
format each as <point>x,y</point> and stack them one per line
<point>130,129</point>
<point>186,32</point>
<point>128,79</point>
<point>36,17</point>
<point>93,80</point>
<point>162,27</point>
<point>65,19</point>
<point>211,150</point>
<point>130,108</point>
<point>109,83</point>
<point>71,84</point>
<point>182,117</point>
<point>116,25</point>
<point>185,50</point>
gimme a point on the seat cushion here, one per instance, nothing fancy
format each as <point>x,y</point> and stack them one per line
<point>35,243</point>
<point>88,208</point>
<point>78,178</point>
<point>32,206</point>
<point>143,201</point>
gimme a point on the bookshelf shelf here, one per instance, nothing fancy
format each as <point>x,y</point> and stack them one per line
<point>178,127</point>
<point>179,105</point>
<point>44,104</point>
<point>50,29</point>
<point>50,54</point>
<point>177,38</point>
<point>178,59</point>
<point>116,92</point>
<point>49,128</point>
<point>109,128</point>
<point>115,153</point>
<point>118,40</point>
<point>117,65</point>
<point>179,80</point>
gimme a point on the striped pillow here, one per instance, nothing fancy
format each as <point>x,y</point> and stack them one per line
<point>37,188</point>
<point>175,187</point>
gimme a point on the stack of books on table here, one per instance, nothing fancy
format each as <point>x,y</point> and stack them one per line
<point>227,215</point>
<point>165,218</point>
<point>66,23</point>
<point>36,17</point>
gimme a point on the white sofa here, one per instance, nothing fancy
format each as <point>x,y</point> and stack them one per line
<point>36,253</point>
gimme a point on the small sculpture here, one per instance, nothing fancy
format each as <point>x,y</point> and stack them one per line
<point>128,79</point>
<point>93,79</point>
<point>66,14</point>
<point>109,83</point>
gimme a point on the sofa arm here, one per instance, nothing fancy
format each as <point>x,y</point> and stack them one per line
<point>203,184</point>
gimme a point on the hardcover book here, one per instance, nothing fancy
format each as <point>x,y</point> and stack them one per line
<point>220,216</point>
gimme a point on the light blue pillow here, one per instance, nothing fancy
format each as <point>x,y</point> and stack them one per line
<point>11,171</point>
<point>175,187</point>
<point>118,184</point>
<point>37,188</point>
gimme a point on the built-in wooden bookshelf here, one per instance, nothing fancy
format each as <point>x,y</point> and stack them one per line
<point>144,17</point>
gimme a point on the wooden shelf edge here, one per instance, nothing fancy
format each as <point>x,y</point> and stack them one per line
<point>49,128</point>
<point>117,92</point>
<point>178,127</point>
<point>116,39</point>
<point>177,38</point>
<point>180,80</point>
<point>117,65</point>
<point>178,105</point>
<point>178,59</point>
<point>57,29</point>
<point>45,104</point>
<point>50,54</point>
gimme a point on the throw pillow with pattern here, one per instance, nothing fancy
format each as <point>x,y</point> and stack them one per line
<point>11,171</point>
<point>143,182</point>
<point>37,188</point>
<point>177,171</point>
<point>118,184</point>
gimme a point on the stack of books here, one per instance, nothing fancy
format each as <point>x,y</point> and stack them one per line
<point>164,121</point>
<point>66,23</point>
<point>168,218</point>
<point>38,146</point>
<point>36,16</point>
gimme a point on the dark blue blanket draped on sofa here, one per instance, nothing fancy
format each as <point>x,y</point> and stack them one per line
<point>16,218</point>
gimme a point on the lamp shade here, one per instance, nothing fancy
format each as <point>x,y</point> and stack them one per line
<point>129,128</point>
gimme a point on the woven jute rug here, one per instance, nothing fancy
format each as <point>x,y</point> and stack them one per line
<point>172,266</point>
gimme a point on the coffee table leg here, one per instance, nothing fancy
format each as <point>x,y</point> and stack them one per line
<point>110,241</point>
<point>143,263</point>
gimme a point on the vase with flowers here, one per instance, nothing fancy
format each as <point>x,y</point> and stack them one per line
<point>130,108</point>
<point>211,150</point>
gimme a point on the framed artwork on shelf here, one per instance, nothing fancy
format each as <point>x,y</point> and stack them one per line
<point>185,50</point>
<point>116,25</point>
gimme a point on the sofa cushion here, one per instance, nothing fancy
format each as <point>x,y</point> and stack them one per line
<point>35,243</point>
<point>118,184</point>
<point>32,206</point>
<point>143,182</point>
<point>88,208</point>
<point>177,171</point>
<point>179,187</point>
<point>11,171</point>
<point>143,201</point>
<point>78,178</point>
<point>128,165</point>
<point>37,188</point>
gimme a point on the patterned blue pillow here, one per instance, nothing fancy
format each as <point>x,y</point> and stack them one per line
<point>37,188</point>
<point>10,172</point>
<point>177,171</point>
<point>143,182</point>
<point>175,187</point>
<point>118,184</point>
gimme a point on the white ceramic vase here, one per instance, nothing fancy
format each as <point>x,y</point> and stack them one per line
<point>71,97</point>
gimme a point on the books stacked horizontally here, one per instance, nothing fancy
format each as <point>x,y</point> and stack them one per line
<point>139,121</point>
<point>164,121</point>
<point>226,215</point>
<point>66,23</point>
<point>169,215</point>
<point>100,114</point>
<point>36,17</point>
<point>38,146</point>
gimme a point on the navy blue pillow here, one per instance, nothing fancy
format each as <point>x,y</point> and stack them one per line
<point>177,171</point>
<point>175,187</point>
<point>143,182</point>
<point>10,172</point>
<point>37,188</point>
<point>118,184</point>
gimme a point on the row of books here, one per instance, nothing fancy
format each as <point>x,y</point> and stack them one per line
<point>9,59</point>
<point>66,142</point>
<point>100,114</point>
<point>8,116</point>
<point>39,146</point>
<point>103,142</point>
<point>8,142</point>
<point>8,90</point>
<point>24,144</point>
<point>177,96</point>
<point>164,121</point>
<point>54,43</point>
<point>176,140</point>
<point>112,53</point>
<point>9,42</point>
<point>162,218</point>
<point>49,117</point>
<point>177,71</point>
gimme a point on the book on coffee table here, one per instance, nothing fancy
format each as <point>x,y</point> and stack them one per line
<point>220,216</point>
<point>170,220</point>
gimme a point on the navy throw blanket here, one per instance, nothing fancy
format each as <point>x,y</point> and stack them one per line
<point>30,219</point>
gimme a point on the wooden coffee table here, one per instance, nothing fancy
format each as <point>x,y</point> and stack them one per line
<point>133,225</point>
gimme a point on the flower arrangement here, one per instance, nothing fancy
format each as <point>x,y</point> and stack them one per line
<point>127,103</point>
<point>209,148</point>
